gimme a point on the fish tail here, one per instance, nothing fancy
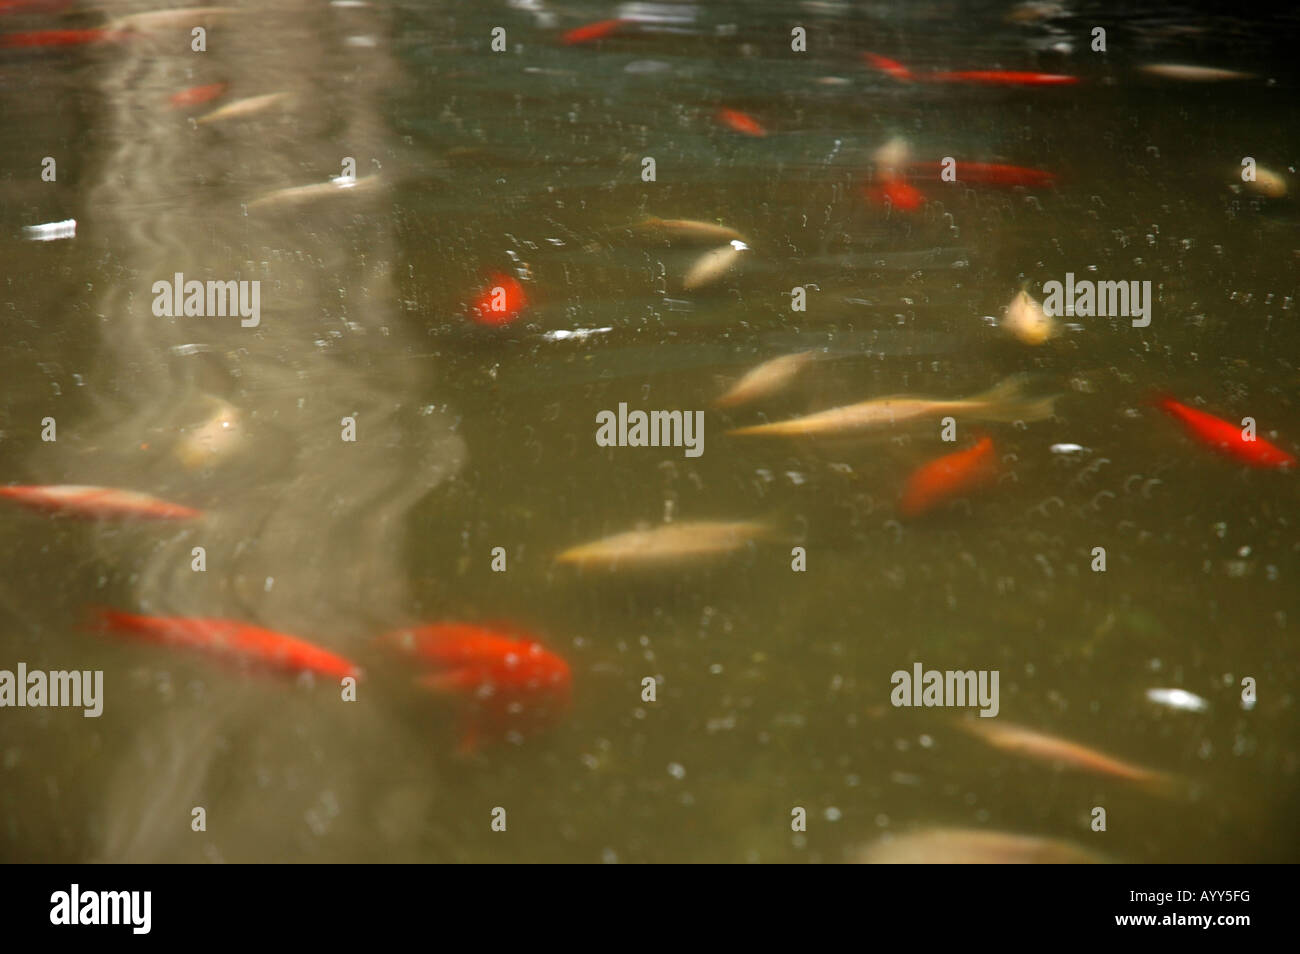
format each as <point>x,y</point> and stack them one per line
<point>1006,401</point>
<point>1162,785</point>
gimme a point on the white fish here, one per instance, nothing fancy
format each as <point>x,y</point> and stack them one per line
<point>667,544</point>
<point>971,846</point>
<point>243,108</point>
<point>1068,449</point>
<point>163,19</point>
<point>1193,74</point>
<point>1178,699</point>
<point>768,378</point>
<point>52,231</point>
<point>296,195</point>
<point>712,265</point>
<point>893,155</point>
<point>1028,322</point>
<point>689,230</point>
<point>562,335</point>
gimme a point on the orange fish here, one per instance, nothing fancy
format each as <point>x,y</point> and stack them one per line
<point>989,173</point>
<point>741,122</point>
<point>1002,78</point>
<point>43,38</point>
<point>947,477</point>
<point>1225,436</point>
<point>197,95</point>
<point>895,192</point>
<point>506,673</point>
<point>501,302</point>
<point>890,67</point>
<point>97,502</point>
<point>229,639</point>
<point>592,31</point>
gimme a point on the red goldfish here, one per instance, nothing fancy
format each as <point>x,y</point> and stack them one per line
<point>196,95</point>
<point>896,193</point>
<point>890,67</point>
<point>1225,436</point>
<point>989,173</point>
<point>1002,78</point>
<point>591,31</point>
<point>231,639</point>
<point>508,674</point>
<point>501,302</point>
<point>97,502</point>
<point>946,477</point>
<point>741,122</point>
<point>43,38</point>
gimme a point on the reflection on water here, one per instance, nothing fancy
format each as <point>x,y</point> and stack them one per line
<point>475,461</point>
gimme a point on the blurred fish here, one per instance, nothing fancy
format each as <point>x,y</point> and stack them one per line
<point>512,680</point>
<point>1034,11</point>
<point>36,39</point>
<point>689,230</point>
<point>947,477</point>
<point>501,302</point>
<point>1027,321</point>
<point>1193,74</point>
<point>297,195</point>
<point>892,156</point>
<point>1267,183</point>
<point>1047,748</point>
<point>179,17</point>
<point>1001,78</point>
<point>243,108</point>
<point>741,122</point>
<point>1225,436</point>
<point>51,231</point>
<point>97,502</point>
<point>1177,699</point>
<point>1005,401</point>
<point>972,846</point>
<point>197,95</point>
<point>668,544</point>
<point>592,31</point>
<point>896,193</point>
<point>988,173</point>
<point>889,67</point>
<point>233,640</point>
<point>712,265</point>
<point>766,379</point>
<point>218,436</point>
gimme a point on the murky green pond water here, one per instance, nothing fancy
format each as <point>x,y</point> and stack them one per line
<point>772,686</point>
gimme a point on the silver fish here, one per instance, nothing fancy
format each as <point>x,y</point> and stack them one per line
<point>768,378</point>
<point>667,544</point>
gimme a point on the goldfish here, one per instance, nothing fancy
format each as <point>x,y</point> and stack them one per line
<point>297,195</point>
<point>1027,321</point>
<point>243,108</point>
<point>97,502</point>
<point>501,302</point>
<point>889,67</point>
<point>712,265</point>
<point>506,673</point>
<point>1267,183</point>
<point>197,95</point>
<point>1003,402</point>
<point>591,31</point>
<point>946,477</point>
<point>1225,436</point>
<point>1002,78</point>
<point>897,194</point>
<point>43,38</point>
<point>1193,74</point>
<point>989,173</point>
<point>690,230</point>
<point>971,846</point>
<point>666,544</point>
<point>1047,748</point>
<point>240,642</point>
<point>741,122</point>
<point>768,378</point>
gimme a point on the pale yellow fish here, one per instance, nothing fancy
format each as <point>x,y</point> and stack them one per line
<point>164,19</point>
<point>892,156</point>
<point>972,846</point>
<point>216,437</point>
<point>1003,402</point>
<point>1047,748</point>
<point>1193,74</point>
<point>766,379</point>
<point>1026,320</point>
<point>689,230</point>
<point>296,195</point>
<point>712,265</point>
<point>1267,183</point>
<point>243,108</point>
<point>667,544</point>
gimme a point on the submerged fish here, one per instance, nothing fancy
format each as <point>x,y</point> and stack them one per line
<point>163,19</point>
<point>215,438</point>
<point>667,544</point>
<point>1178,699</point>
<point>1267,183</point>
<point>97,502</point>
<point>1048,748</point>
<point>712,265</point>
<point>1027,321</point>
<point>501,302</point>
<point>511,679</point>
<point>592,31</point>
<point>1193,74</point>
<point>689,230</point>
<point>1225,436</point>
<point>1005,401</point>
<point>46,38</point>
<point>947,477</point>
<point>895,193</point>
<point>740,122</point>
<point>296,195</point>
<point>891,68</point>
<point>1002,78</point>
<point>972,846</point>
<point>892,156</point>
<point>243,108</point>
<point>237,641</point>
<point>197,95</point>
<point>988,173</point>
<point>768,378</point>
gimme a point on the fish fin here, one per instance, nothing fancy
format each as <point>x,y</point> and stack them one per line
<point>1006,401</point>
<point>1162,785</point>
